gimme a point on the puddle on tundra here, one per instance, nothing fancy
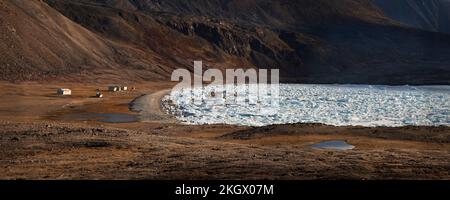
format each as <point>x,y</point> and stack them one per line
<point>333,145</point>
<point>104,117</point>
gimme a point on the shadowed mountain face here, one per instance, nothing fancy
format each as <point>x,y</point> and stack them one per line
<point>432,15</point>
<point>311,41</point>
<point>292,14</point>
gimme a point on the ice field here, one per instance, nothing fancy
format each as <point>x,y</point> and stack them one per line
<point>338,105</point>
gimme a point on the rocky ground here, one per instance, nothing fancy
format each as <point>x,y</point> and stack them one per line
<point>67,151</point>
<point>36,144</point>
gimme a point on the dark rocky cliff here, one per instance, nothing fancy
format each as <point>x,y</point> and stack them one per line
<point>311,41</point>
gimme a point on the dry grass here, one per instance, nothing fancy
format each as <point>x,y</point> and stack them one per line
<point>33,146</point>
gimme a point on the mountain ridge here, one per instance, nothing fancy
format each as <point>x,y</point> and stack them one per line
<point>344,41</point>
<point>431,15</point>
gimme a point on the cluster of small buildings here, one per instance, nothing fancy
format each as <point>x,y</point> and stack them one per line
<point>98,94</point>
<point>117,88</point>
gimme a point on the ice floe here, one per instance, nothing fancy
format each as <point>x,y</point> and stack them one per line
<point>339,105</point>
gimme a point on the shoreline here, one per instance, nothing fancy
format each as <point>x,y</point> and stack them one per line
<point>210,116</point>
<point>149,107</point>
<point>33,146</point>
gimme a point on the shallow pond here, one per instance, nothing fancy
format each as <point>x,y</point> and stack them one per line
<point>104,117</point>
<point>333,145</point>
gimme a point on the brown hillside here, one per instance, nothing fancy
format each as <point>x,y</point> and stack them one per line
<point>39,43</point>
<point>311,41</point>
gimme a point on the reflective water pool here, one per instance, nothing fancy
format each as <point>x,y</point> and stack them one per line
<point>104,117</point>
<point>333,145</point>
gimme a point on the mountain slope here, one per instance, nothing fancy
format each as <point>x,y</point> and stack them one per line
<point>311,41</point>
<point>344,41</point>
<point>40,43</point>
<point>281,13</point>
<point>432,15</point>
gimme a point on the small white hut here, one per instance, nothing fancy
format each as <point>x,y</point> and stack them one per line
<point>64,91</point>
